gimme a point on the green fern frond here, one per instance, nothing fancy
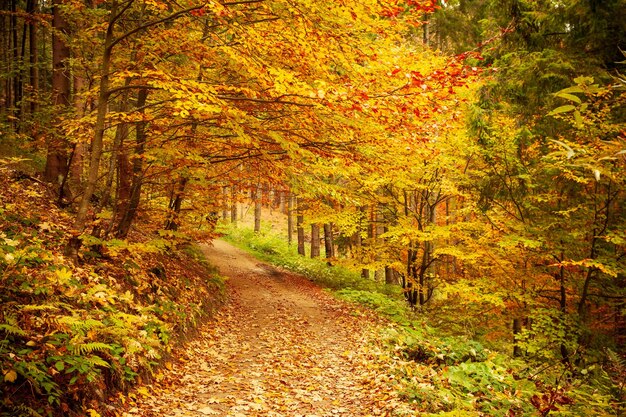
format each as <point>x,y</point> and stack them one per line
<point>84,348</point>
<point>79,325</point>
<point>94,361</point>
<point>38,307</point>
<point>22,411</point>
<point>12,330</point>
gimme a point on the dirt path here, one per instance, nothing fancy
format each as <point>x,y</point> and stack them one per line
<point>280,347</point>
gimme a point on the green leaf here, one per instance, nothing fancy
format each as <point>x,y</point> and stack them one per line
<point>578,119</point>
<point>570,90</point>
<point>569,97</point>
<point>562,109</point>
<point>59,365</point>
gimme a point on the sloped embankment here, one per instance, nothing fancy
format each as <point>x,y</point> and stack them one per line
<point>72,335</point>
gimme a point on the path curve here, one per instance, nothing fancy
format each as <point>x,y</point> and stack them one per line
<point>280,347</point>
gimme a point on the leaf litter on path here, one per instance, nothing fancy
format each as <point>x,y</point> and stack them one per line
<point>280,347</point>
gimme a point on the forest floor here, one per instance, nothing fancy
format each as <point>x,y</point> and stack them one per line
<point>281,346</point>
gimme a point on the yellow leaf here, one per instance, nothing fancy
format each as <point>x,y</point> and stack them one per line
<point>93,413</point>
<point>169,365</point>
<point>10,376</point>
<point>144,391</point>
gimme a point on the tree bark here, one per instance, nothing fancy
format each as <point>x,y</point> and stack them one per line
<point>315,240</point>
<point>33,8</point>
<point>56,160</point>
<point>290,204</point>
<point>258,195</point>
<point>175,204</point>
<point>300,227</point>
<point>135,189</point>
<point>75,170</point>
<point>224,203</point>
<point>328,241</point>
<point>233,204</point>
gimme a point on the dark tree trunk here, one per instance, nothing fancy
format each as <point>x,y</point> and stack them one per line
<point>224,203</point>
<point>390,276</point>
<point>175,204</point>
<point>33,8</point>
<point>258,196</point>
<point>233,204</point>
<point>56,160</point>
<point>315,240</point>
<point>137,182</point>
<point>328,241</point>
<point>300,226</point>
<point>17,66</point>
<point>290,204</point>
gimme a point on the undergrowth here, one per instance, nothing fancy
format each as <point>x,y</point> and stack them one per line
<point>72,335</point>
<point>448,374</point>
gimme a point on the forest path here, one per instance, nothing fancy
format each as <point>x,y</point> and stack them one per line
<point>280,347</point>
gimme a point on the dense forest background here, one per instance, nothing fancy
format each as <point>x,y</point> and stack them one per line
<point>470,155</point>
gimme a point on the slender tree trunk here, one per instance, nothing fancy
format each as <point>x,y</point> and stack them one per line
<point>135,189</point>
<point>5,47</point>
<point>17,66</point>
<point>365,273</point>
<point>118,163</point>
<point>33,8</point>
<point>79,150</point>
<point>56,160</point>
<point>233,204</point>
<point>258,195</point>
<point>290,204</point>
<point>224,203</point>
<point>328,240</point>
<point>80,222</point>
<point>315,240</point>
<point>175,204</point>
<point>300,227</point>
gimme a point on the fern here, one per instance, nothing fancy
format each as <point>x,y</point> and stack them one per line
<point>84,348</point>
<point>11,328</point>
<point>94,361</point>
<point>80,325</point>
<point>36,307</point>
<point>22,411</point>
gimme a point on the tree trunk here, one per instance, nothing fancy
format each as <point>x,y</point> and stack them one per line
<point>175,204</point>
<point>390,276</point>
<point>75,170</point>
<point>56,160</point>
<point>290,204</point>
<point>224,203</point>
<point>300,227</point>
<point>71,249</point>
<point>315,240</point>
<point>33,8</point>
<point>233,204</point>
<point>328,240</point>
<point>135,189</point>
<point>17,67</point>
<point>118,163</point>
<point>258,195</point>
